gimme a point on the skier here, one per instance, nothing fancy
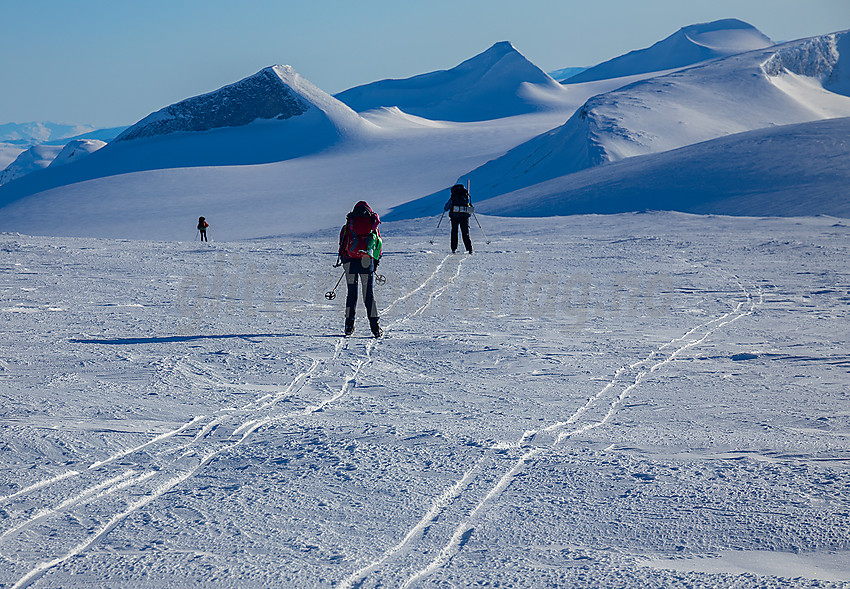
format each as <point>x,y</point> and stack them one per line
<point>202,228</point>
<point>360,252</point>
<point>460,208</point>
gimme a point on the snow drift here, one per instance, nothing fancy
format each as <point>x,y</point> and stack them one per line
<point>500,82</point>
<point>687,46</point>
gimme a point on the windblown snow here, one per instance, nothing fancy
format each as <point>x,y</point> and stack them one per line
<point>630,401</point>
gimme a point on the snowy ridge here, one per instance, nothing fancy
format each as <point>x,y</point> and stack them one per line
<point>276,92</point>
<point>818,58</point>
<point>734,95</point>
<point>687,46</point>
<point>261,96</point>
<point>76,150</point>
<point>500,82</point>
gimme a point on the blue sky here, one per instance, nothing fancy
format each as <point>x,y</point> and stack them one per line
<point>111,62</point>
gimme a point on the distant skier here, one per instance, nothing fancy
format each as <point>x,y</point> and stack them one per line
<point>460,208</point>
<point>202,228</point>
<point>360,252</point>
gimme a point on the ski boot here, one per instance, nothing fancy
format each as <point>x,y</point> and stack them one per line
<point>376,327</point>
<point>349,327</point>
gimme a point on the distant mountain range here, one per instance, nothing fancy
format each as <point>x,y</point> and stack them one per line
<point>273,144</point>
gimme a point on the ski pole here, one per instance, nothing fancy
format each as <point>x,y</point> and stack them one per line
<point>331,294</point>
<point>438,226</point>
<point>480,227</point>
<point>198,234</point>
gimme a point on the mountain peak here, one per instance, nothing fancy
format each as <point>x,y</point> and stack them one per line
<point>687,46</point>
<point>492,84</point>
<point>264,95</point>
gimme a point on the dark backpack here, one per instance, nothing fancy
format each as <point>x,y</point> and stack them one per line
<point>461,204</point>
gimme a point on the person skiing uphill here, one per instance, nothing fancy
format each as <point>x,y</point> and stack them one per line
<point>360,252</point>
<point>459,208</point>
<point>202,228</point>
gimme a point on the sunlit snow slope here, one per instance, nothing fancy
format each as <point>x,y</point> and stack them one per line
<point>797,82</point>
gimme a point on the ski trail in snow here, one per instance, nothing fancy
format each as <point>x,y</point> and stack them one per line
<point>252,419</point>
<point>36,572</point>
<point>40,484</point>
<point>692,338</point>
<point>419,529</point>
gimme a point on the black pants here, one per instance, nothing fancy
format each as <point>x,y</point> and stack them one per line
<point>356,270</point>
<point>463,223</point>
<point>203,234</point>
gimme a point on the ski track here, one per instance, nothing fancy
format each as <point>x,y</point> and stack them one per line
<point>249,424</point>
<point>656,360</point>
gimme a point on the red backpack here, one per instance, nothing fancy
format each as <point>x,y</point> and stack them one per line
<point>354,236</point>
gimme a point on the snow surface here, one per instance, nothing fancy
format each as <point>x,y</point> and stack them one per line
<point>638,400</point>
<point>687,46</point>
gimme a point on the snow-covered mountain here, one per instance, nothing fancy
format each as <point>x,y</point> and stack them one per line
<point>15,138</point>
<point>299,173</point>
<point>275,93</point>
<point>687,46</point>
<point>500,82</point>
<point>273,115</point>
<point>793,83</point>
<point>37,157</point>
<point>75,150</point>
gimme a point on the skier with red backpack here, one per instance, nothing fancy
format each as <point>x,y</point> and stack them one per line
<point>360,252</point>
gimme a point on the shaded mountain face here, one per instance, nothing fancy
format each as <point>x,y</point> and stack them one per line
<point>261,96</point>
<point>791,170</point>
<point>687,46</point>
<point>493,84</point>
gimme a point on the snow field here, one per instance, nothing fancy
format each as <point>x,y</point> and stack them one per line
<point>587,401</point>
